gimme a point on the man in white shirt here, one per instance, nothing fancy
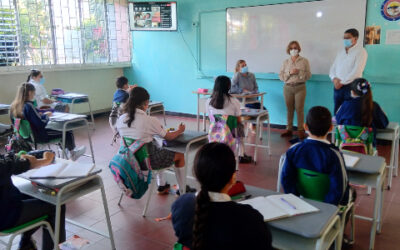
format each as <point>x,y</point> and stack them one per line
<point>349,64</point>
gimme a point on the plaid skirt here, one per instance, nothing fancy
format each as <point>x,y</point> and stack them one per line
<point>159,157</point>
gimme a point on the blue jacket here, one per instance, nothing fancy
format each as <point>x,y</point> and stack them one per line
<point>319,157</point>
<point>37,121</point>
<point>120,96</point>
<point>350,114</point>
<point>10,197</point>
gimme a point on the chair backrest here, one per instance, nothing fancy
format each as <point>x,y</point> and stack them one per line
<point>355,138</point>
<point>312,185</point>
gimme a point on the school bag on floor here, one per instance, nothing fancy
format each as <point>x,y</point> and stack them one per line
<point>355,138</point>
<point>128,165</point>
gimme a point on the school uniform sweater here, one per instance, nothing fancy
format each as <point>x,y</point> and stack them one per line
<point>37,121</point>
<point>229,225</point>
<point>318,156</point>
<point>120,96</point>
<point>350,114</point>
<point>10,196</point>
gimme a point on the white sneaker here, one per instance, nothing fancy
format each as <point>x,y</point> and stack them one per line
<point>77,152</point>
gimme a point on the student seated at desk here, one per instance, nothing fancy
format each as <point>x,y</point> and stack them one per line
<point>244,82</point>
<point>209,219</point>
<point>17,209</point>
<point>222,103</point>
<point>120,97</point>
<point>317,154</point>
<point>41,97</point>
<point>136,124</point>
<point>361,110</point>
<point>22,107</point>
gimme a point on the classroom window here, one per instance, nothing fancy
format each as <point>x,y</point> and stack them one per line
<point>41,32</point>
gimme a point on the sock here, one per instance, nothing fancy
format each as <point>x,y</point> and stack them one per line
<point>180,175</point>
<point>160,179</point>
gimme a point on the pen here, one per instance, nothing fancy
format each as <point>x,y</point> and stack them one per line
<point>288,203</point>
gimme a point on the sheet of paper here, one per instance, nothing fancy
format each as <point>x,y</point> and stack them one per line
<point>393,36</point>
<point>266,208</point>
<point>292,204</point>
<point>350,160</point>
<point>52,170</point>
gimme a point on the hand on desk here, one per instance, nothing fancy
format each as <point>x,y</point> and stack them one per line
<point>48,113</point>
<point>181,128</point>
<point>48,158</point>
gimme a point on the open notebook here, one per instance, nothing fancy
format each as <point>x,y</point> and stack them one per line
<point>279,206</point>
<point>350,160</point>
<point>62,170</point>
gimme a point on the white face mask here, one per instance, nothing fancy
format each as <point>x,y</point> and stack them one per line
<point>294,52</point>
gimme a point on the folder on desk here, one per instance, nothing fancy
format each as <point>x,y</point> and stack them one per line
<point>62,170</point>
<point>280,206</point>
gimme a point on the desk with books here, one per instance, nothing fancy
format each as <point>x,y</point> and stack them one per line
<point>317,230</point>
<point>67,190</point>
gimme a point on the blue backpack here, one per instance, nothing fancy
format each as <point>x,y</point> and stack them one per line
<point>126,167</point>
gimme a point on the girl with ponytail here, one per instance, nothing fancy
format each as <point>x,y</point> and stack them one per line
<point>136,124</point>
<point>210,220</point>
<point>361,110</point>
<point>222,103</point>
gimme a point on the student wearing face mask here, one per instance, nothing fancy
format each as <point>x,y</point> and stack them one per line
<point>348,65</point>
<point>244,82</point>
<point>295,71</point>
<point>42,99</point>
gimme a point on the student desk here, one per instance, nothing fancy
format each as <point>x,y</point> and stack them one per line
<point>307,231</point>
<point>258,116</point>
<point>370,171</point>
<point>201,103</point>
<point>69,190</point>
<point>156,107</point>
<point>190,141</point>
<point>4,108</point>
<point>75,98</point>
<point>68,122</point>
<point>391,133</point>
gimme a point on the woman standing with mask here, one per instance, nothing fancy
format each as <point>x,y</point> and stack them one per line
<point>294,73</point>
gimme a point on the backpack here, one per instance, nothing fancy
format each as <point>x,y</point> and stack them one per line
<point>355,138</point>
<point>220,132</point>
<point>17,142</point>
<point>127,171</point>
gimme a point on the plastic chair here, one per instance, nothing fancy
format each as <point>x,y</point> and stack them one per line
<point>314,185</point>
<point>13,232</point>
<point>23,128</point>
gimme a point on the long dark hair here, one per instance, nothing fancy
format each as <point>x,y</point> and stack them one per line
<point>137,98</point>
<point>221,89</point>
<point>214,166</point>
<point>362,88</point>
<point>34,73</point>
<point>22,96</point>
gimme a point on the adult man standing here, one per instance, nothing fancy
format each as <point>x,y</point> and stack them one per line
<point>349,64</point>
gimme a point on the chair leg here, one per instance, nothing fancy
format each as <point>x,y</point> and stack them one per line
<point>369,190</point>
<point>120,199</point>
<point>352,228</point>
<point>153,183</point>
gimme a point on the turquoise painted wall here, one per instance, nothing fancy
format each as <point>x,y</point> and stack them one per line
<point>166,63</point>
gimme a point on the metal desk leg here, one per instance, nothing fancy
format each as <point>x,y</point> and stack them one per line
<point>198,112</point>
<point>91,113</point>
<point>90,141</point>
<point>269,136</point>
<point>380,208</point>
<point>57,223</point>
<point>391,164</point>
<point>110,232</point>
<point>256,139</point>
<point>396,156</point>
<point>63,140</point>
<point>376,211</point>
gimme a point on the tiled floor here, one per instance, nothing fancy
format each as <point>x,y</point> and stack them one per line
<point>132,231</point>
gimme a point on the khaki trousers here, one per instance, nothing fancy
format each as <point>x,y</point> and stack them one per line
<point>295,96</point>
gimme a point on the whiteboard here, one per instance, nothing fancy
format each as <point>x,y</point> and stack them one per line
<point>261,34</point>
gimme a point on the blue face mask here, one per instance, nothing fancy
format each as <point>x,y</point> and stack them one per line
<point>244,70</point>
<point>347,43</point>
<point>41,81</point>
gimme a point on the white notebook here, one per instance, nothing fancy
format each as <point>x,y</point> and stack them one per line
<point>350,160</point>
<point>61,170</point>
<point>279,206</point>
<point>59,116</point>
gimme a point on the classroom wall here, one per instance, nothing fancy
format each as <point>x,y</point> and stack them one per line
<point>99,84</point>
<point>165,63</point>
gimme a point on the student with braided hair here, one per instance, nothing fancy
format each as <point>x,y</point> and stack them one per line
<point>210,220</point>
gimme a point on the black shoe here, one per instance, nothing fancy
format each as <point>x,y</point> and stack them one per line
<point>27,245</point>
<point>188,190</point>
<point>245,159</point>
<point>163,189</point>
